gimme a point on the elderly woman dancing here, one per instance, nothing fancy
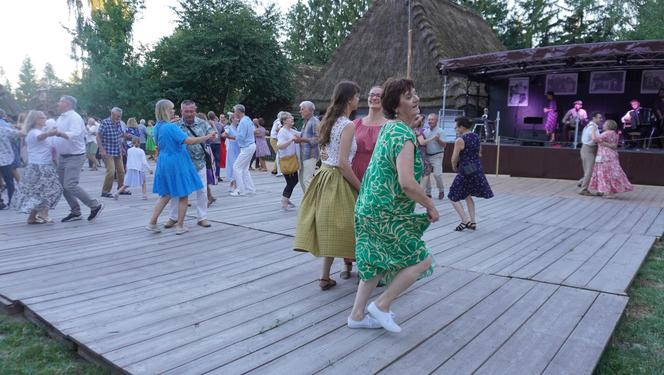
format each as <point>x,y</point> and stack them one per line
<point>175,176</point>
<point>388,233</point>
<point>40,189</point>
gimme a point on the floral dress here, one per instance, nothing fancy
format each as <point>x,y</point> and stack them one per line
<point>474,184</point>
<point>551,117</point>
<point>608,175</point>
<point>388,232</point>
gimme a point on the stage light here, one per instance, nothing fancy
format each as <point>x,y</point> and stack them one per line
<point>522,65</point>
<point>483,71</point>
<point>622,60</point>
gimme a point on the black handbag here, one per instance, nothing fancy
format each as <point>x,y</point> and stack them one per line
<point>469,169</point>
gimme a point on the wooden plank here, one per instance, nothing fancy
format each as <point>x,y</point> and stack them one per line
<point>351,345</point>
<point>657,227</point>
<point>560,314</point>
<point>472,355</point>
<point>567,264</point>
<point>585,345</point>
<point>440,345</point>
<point>619,272</point>
<point>582,276</point>
<point>261,345</point>
<point>642,225</point>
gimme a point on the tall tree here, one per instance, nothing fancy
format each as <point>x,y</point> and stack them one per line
<point>242,59</point>
<point>647,20</point>
<point>112,74</point>
<point>495,13</point>
<point>26,91</point>
<point>316,28</point>
<point>49,78</point>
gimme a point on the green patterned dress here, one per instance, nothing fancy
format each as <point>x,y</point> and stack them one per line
<point>388,232</point>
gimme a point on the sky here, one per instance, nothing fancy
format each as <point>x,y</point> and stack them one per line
<point>40,34</point>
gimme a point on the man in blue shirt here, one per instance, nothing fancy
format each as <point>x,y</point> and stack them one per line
<point>246,141</point>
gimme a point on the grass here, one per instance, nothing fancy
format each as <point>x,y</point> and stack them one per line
<point>26,349</point>
<point>637,346</point>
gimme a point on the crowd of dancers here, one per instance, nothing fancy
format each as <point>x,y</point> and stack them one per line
<point>361,179</point>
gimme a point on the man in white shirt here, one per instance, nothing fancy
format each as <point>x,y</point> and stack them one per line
<point>91,143</point>
<point>435,153</point>
<point>70,145</point>
<point>589,151</point>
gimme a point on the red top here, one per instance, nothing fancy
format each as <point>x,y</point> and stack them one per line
<point>365,137</point>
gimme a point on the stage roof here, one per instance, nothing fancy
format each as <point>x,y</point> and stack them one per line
<point>648,54</point>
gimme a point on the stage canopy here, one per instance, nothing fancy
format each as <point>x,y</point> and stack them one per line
<point>640,55</point>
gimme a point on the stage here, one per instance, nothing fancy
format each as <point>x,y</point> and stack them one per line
<point>641,167</point>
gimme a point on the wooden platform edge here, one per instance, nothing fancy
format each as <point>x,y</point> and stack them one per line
<point>613,331</point>
<point>81,350</point>
<point>10,307</point>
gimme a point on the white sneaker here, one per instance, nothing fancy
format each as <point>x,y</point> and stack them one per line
<point>367,322</point>
<point>236,193</point>
<point>279,175</point>
<point>384,318</point>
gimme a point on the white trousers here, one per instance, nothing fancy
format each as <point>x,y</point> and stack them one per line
<point>307,170</point>
<point>245,184</point>
<point>437,163</point>
<point>201,200</point>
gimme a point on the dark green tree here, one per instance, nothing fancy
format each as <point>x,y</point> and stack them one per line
<point>495,13</point>
<point>316,28</point>
<point>112,74</point>
<point>49,78</point>
<point>646,21</point>
<point>221,51</point>
<point>26,90</point>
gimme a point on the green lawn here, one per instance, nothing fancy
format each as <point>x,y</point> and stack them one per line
<point>26,349</point>
<point>637,346</point>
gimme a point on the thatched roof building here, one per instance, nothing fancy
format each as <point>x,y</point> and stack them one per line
<point>376,49</point>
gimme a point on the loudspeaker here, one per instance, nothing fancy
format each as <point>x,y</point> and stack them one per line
<point>532,137</point>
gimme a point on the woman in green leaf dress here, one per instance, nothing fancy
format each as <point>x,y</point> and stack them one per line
<point>150,146</point>
<point>388,233</point>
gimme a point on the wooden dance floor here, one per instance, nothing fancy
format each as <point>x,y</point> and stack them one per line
<point>537,289</point>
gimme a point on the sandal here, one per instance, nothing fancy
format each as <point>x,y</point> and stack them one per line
<point>326,284</point>
<point>472,226</point>
<point>46,220</point>
<point>345,274</point>
<point>462,226</point>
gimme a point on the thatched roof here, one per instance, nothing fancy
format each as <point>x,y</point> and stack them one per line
<point>8,103</point>
<point>376,49</point>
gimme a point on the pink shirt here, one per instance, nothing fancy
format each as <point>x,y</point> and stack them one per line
<point>366,137</point>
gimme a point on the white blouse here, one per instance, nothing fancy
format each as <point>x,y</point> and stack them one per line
<point>329,154</point>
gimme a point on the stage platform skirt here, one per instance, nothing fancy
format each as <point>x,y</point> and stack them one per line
<point>326,216</point>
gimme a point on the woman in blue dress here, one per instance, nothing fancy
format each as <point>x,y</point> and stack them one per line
<point>175,176</point>
<point>470,180</point>
<point>232,150</point>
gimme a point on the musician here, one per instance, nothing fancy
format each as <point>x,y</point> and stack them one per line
<point>551,116</point>
<point>658,107</point>
<point>574,116</point>
<point>637,119</point>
